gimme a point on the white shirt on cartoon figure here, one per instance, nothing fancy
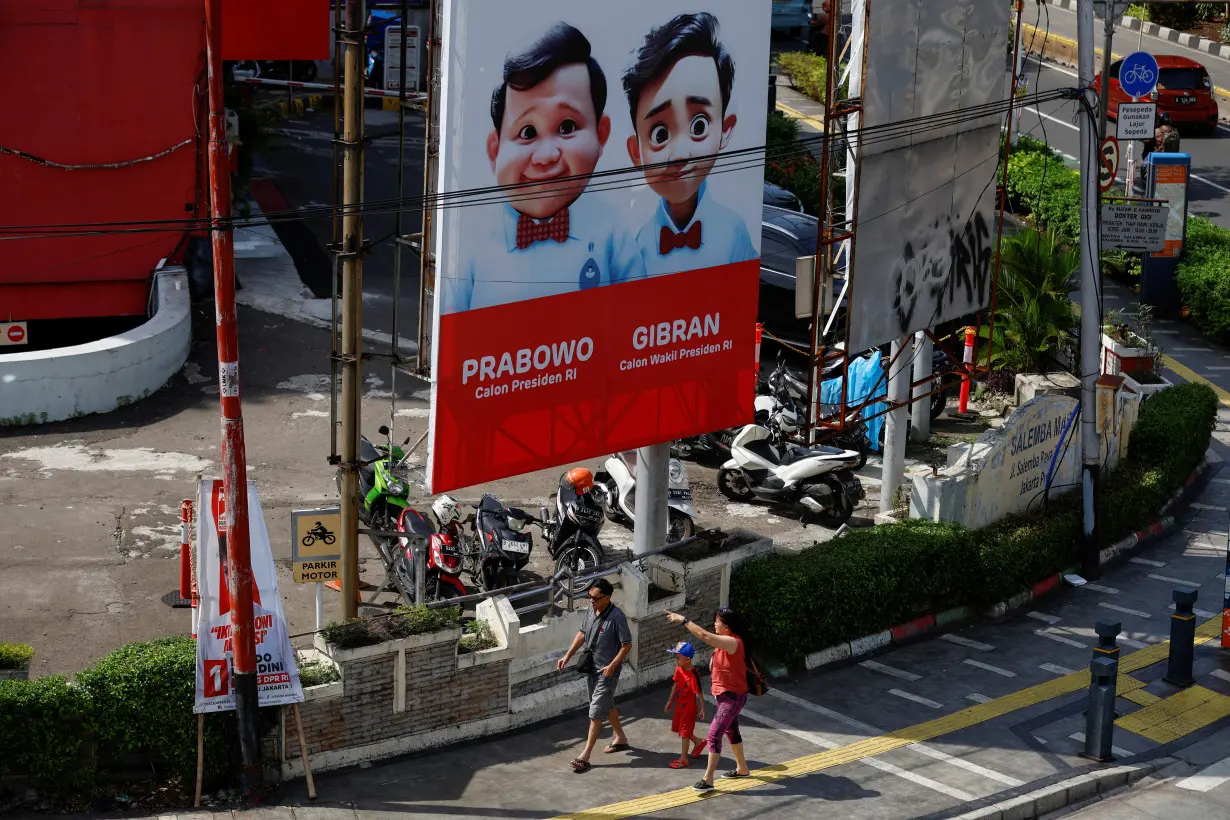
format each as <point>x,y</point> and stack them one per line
<point>724,238</point>
<point>600,250</point>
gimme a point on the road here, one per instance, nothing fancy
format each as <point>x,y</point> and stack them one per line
<point>1063,23</point>
<point>1054,123</point>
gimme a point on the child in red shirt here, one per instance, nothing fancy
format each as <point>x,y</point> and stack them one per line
<point>686,700</point>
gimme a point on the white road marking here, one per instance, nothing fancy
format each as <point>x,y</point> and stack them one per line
<point>1060,639</point>
<point>1167,579</point>
<point>81,459</point>
<point>1214,367</point>
<point>922,748</point>
<point>1044,618</point>
<point>916,698</point>
<point>873,762</point>
<point>1146,562</point>
<point>1138,613</point>
<point>1202,613</point>
<point>1221,674</point>
<point>972,644</point>
<point>1134,644</point>
<point>1193,350</point>
<point>977,698</point>
<point>1100,588</point>
<point>890,670</point>
<point>1221,481</point>
<point>1056,669</point>
<point>1079,737</point>
<point>1207,779</point>
<point>997,670</point>
<point>1067,124</point>
<point>1213,507</point>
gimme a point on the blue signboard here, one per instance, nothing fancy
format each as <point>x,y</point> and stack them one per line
<point>1138,74</point>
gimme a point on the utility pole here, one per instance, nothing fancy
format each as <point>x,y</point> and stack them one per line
<point>352,302</point>
<point>235,538</point>
<point>652,483</point>
<point>1091,320</point>
<point>893,471</point>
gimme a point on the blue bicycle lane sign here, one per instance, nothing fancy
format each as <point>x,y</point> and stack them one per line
<point>1138,74</point>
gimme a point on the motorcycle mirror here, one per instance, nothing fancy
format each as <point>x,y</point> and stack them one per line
<point>407,441</point>
<point>384,431</point>
<point>542,511</point>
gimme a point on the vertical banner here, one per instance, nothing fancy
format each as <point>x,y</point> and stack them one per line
<point>277,675</point>
<point>600,293</point>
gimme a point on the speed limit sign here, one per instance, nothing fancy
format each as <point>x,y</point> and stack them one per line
<point>1108,168</point>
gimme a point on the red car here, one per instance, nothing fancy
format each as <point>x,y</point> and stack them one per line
<point>1184,91</point>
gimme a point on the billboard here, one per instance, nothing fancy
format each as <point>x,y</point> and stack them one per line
<point>598,246</point>
<point>277,674</point>
<point>927,227</point>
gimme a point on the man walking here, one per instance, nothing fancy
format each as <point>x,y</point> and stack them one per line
<point>607,641</point>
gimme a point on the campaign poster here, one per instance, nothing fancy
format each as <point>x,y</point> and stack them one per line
<point>602,171</point>
<point>277,674</point>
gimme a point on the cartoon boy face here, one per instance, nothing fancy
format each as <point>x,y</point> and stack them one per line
<point>679,121</point>
<point>549,125</point>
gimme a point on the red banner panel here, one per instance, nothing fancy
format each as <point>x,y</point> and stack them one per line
<point>566,378</point>
<point>275,29</point>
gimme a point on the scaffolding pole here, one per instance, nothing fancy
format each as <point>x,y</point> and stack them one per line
<point>352,303</point>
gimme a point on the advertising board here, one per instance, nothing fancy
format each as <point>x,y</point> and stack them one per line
<point>598,246</point>
<point>277,674</point>
<point>927,226</point>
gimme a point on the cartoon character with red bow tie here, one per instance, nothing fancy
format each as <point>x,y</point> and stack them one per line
<point>679,93</point>
<point>549,132</point>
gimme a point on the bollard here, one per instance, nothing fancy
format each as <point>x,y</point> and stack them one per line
<point>185,549</point>
<point>1182,638</point>
<point>1107,646</point>
<point>1100,717</point>
<point>963,401</point>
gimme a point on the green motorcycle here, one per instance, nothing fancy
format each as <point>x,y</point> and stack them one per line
<point>384,488</point>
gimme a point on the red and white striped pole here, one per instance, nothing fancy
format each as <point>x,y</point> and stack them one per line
<point>185,549</point>
<point>969,360</point>
<point>759,336</point>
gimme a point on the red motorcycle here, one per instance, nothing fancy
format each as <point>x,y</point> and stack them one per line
<point>443,544</point>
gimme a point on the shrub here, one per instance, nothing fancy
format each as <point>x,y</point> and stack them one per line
<point>875,578</point>
<point>807,72</point>
<point>43,732</point>
<point>780,132</point>
<point>1204,277</point>
<point>1041,184</point>
<point>318,673</point>
<point>404,622</point>
<point>15,656</point>
<point>478,636</point>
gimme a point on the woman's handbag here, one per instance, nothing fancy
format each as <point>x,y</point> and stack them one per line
<point>757,684</point>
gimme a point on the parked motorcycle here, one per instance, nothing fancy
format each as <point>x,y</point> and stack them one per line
<point>710,447</point>
<point>818,480</point>
<point>501,543</point>
<point>383,488</point>
<point>444,545</point>
<point>617,485</point>
<point>782,414</point>
<point>571,528</point>
<point>304,71</point>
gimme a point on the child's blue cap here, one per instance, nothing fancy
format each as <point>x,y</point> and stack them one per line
<point>683,648</point>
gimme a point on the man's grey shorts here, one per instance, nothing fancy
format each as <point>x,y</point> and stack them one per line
<point>601,695</point>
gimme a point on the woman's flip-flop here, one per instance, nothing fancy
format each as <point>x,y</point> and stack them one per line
<point>616,747</point>
<point>700,750</point>
<point>678,764</point>
<point>580,766</point>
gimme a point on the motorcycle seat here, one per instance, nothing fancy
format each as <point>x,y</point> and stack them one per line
<point>795,453</point>
<point>765,450</point>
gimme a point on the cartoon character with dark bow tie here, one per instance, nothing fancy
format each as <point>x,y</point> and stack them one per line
<point>679,94</point>
<point>549,132</point>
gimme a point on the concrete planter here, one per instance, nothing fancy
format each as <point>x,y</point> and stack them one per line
<point>14,674</point>
<point>1144,390</point>
<point>339,655</point>
<point>1119,358</point>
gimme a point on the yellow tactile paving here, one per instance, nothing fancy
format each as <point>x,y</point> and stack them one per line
<point>1141,697</point>
<point>875,746</point>
<point>1180,714</point>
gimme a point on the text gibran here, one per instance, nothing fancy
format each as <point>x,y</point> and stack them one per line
<point>680,330</point>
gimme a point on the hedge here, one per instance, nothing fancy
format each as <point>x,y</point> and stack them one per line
<point>1204,277</point>
<point>879,577</point>
<point>807,72</point>
<point>15,655</point>
<point>136,701</point>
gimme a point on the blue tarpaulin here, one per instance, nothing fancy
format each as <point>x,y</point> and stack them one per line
<point>866,376</point>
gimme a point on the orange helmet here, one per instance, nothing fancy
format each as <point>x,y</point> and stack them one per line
<point>581,479</point>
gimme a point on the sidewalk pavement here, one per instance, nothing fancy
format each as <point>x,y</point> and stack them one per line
<point>1196,787</point>
<point>935,728</point>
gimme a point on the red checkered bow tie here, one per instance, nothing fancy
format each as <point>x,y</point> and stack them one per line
<point>529,231</point>
<point>671,241</point>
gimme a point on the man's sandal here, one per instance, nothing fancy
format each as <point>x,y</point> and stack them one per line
<point>581,766</point>
<point>616,747</point>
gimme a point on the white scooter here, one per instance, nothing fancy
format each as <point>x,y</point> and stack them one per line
<point>819,480</point>
<point>618,482</point>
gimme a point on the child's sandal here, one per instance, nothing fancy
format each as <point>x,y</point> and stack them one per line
<point>678,764</point>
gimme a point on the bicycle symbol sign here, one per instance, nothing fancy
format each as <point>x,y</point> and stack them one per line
<point>1138,74</point>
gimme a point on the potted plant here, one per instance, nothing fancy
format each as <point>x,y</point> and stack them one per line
<point>15,661</point>
<point>1128,350</point>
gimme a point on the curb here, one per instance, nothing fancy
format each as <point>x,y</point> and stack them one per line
<point>1089,787</point>
<point>274,111</point>
<point>933,622</point>
<point>1192,41</point>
